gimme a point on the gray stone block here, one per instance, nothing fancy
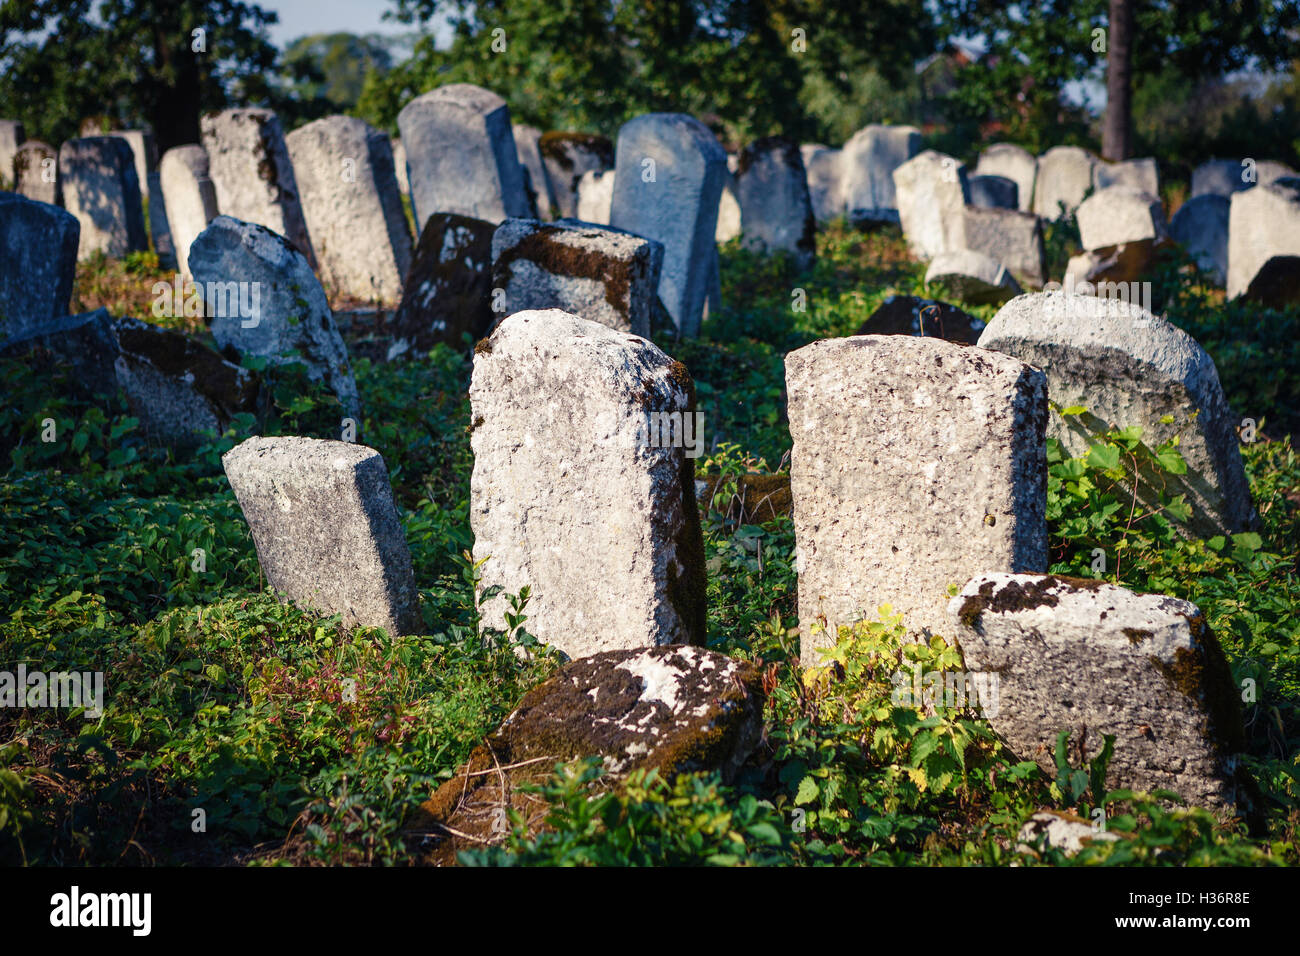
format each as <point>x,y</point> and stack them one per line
<point>189,196</point>
<point>868,162</point>
<point>932,195</point>
<point>38,262</point>
<point>1015,163</point>
<point>1201,227</point>
<point>98,184</point>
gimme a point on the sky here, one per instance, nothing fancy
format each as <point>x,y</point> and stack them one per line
<point>301,17</point>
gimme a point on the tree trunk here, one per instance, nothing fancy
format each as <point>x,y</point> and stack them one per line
<point>1117,133</point>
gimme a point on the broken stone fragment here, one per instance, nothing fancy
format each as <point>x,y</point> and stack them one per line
<point>1067,832</point>
<point>971,277</point>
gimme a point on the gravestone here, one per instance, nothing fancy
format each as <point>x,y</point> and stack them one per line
<point>143,153</point>
<point>1013,238</point>
<point>399,167</point>
<point>775,207</point>
<point>353,207</point>
<point>1270,171</point>
<point>916,464</point>
<point>252,175</point>
<point>1263,223</point>
<point>448,291</point>
<point>1219,177</point>
<point>670,171</point>
<point>1064,179</point>
<point>327,533</point>
<point>565,157</point>
<point>1139,174</point>
<point>728,206</point>
<point>824,168</point>
<point>1094,659</point>
<point>98,184</point>
<point>994,192</point>
<point>932,195</point>
<point>38,261</point>
<point>971,277</point>
<point>461,155</point>
<point>1201,227</point>
<point>189,196</point>
<point>12,136</point>
<point>595,273</point>
<point>868,162</point>
<point>577,494</point>
<point>595,193</point>
<point>1015,163</point>
<point>1119,215</point>
<point>1129,368</point>
<point>262,298</point>
<point>36,172</point>
<point>530,157</point>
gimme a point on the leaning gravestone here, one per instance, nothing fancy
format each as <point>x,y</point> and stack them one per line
<point>932,195</point>
<point>326,530</point>
<point>1015,163</point>
<point>530,158</point>
<point>38,261</point>
<point>1064,178</point>
<point>948,476</point>
<point>36,172</point>
<point>670,171</point>
<point>600,274</point>
<point>1201,227</point>
<point>252,175</point>
<point>1094,659</point>
<point>99,186</point>
<point>1013,238</point>
<point>868,162</point>
<point>1129,368</point>
<point>353,207</point>
<point>577,494</point>
<point>595,194</point>
<point>565,157</point>
<point>1140,174</point>
<point>189,197</point>
<point>261,298</point>
<point>775,207</point>
<point>994,192</point>
<point>971,277</point>
<point>12,136</point>
<point>461,155</point>
<point>823,166</point>
<point>1263,223</point>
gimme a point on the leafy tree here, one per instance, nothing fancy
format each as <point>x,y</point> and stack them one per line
<point>324,73</point>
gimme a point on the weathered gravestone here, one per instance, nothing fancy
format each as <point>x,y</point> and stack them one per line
<point>461,155</point>
<point>824,168</point>
<point>583,488</point>
<point>12,136</point>
<point>775,207</point>
<point>38,261</point>
<point>912,315</point>
<point>1121,229</point>
<point>1129,368</point>
<point>399,167</point>
<point>1201,227</point>
<point>327,533</point>
<point>353,207</point>
<point>98,184</point>
<point>1013,238</point>
<point>1095,659</point>
<point>994,192</point>
<point>1139,174</point>
<point>932,195</point>
<point>670,171</point>
<point>971,277</point>
<point>565,157</point>
<point>527,139</point>
<point>36,172</point>
<point>595,194</point>
<point>728,206</point>
<point>250,169</point>
<point>1219,177</point>
<point>1064,179</point>
<point>449,287</point>
<point>1263,224</point>
<point>916,464</point>
<point>143,153</point>
<point>189,196</point>
<point>1014,163</point>
<point>594,272</point>
<point>868,162</point>
<point>262,298</point>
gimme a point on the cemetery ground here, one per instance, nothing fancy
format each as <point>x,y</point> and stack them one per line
<point>237,730</point>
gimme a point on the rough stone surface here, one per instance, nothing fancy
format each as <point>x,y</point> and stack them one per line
<point>566,157</point>
<point>912,315</point>
<point>189,195</point>
<point>595,194</point>
<point>994,192</point>
<point>1013,238</point>
<point>868,162</point>
<point>281,314</point>
<point>98,184</point>
<point>673,709</point>
<point>38,261</point>
<point>353,207</point>
<point>916,464</point>
<point>461,155</point>
<point>1015,163</point>
<point>593,272</point>
<point>1128,367</point>
<point>971,277</point>
<point>449,288</point>
<point>12,136</point>
<point>36,172</point>
<point>1201,227</point>
<point>1119,215</point>
<point>527,139</point>
<point>1140,174</point>
<point>1064,178</point>
<point>570,495</point>
<point>1096,659</point>
<point>1067,832</point>
<point>823,167</point>
<point>252,175</point>
<point>775,207</point>
<point>399,167</point>
<point>932,195</point>
<point>1263,222</point>
<point>668,185</point>
<point>327,533</point>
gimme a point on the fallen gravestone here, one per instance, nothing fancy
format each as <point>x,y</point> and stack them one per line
<point>353,207</point>
<point>670,171</point>
<point>1263,223</point>
<point>527,139</point>
<point>775,207</point>
<point>1201,227</point>
<point>971,277</point>
<point>1012,238</point>
<point>948,476</point>
<point>994,192</point>
<point>583,484</point>
<point>823,167</point>
<point>911,315</point>
<point>448,292</point>
<point>327,533</point>
<point>1063,181</point>
<point>38,262</point>
<point>36,172</point>
<point>595,193</point>
<point>189,196</point>
<point>98,185</point>
<point>565,158</point>
<point>1014,163</point>
<point>868,162</point>
<point>1129,368</point>
<point>932,195</point>
<point>594,272</point>
<point>1094,659</point>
